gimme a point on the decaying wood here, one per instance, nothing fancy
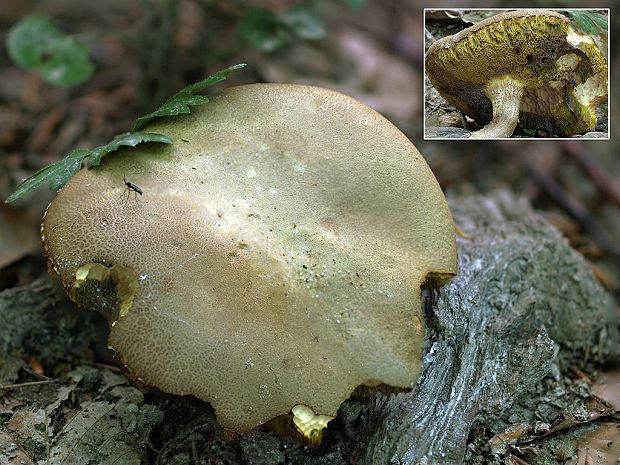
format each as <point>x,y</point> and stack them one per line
<point>523,299</point>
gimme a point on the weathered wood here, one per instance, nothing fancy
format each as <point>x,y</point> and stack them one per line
<point>523,299</point>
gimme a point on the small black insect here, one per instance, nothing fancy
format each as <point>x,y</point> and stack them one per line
<point>131,186</point>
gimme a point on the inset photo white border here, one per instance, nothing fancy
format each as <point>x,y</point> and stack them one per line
<point>516,73</point>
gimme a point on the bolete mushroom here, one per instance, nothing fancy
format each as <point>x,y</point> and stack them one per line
<point>275,259</point>
<point>526,66</point>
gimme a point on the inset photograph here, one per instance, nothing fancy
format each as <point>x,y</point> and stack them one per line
<point>499,74</point>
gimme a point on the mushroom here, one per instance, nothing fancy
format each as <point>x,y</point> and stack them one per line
<point>275,259</point>
<point>526,66</point>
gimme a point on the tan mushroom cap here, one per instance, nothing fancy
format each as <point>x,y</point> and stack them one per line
<point>525,66</point>
<point>279,249</point>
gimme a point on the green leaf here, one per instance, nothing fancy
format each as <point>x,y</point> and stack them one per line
<point>57,174</point>
<point>263,30</point>
<point>34,43</point>
<point>129,139</point>
<point>589,22</point>
<point>304,23</point>
<point>180,102</point>
<point>27,38</point>
<point>67,65</point>
<point>268,31</point>
<point>355,4</point>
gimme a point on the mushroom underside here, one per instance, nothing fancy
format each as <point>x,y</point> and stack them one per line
<point>504,104</point>
<point>521,68</point>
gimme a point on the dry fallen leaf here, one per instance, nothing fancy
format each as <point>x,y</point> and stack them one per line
<point>11,453</point>
<point>17,236</point>
<point>601,446</point>
<point>106,432</point>
<point>610,390</point>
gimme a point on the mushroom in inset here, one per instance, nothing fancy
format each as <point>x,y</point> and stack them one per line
<point>275,259</point>
<point>526,66</point>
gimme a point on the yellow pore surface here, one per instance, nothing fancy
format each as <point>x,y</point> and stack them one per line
<point>536,48</point>
<point>279,248</point>
<point>520,46</point>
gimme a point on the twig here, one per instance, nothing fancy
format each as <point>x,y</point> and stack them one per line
<point>7,387</point>
<point>599,177</point>
<point>108,366</point>
<point>195,453</point>
<point>571,205</point>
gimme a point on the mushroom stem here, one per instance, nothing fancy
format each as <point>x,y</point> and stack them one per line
<point>505,94</point>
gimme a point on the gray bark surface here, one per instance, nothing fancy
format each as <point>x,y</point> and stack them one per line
<point>522,299</point>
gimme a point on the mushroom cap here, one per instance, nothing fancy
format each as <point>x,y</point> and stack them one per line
<point>534,47</point>
<point>277,253</point>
